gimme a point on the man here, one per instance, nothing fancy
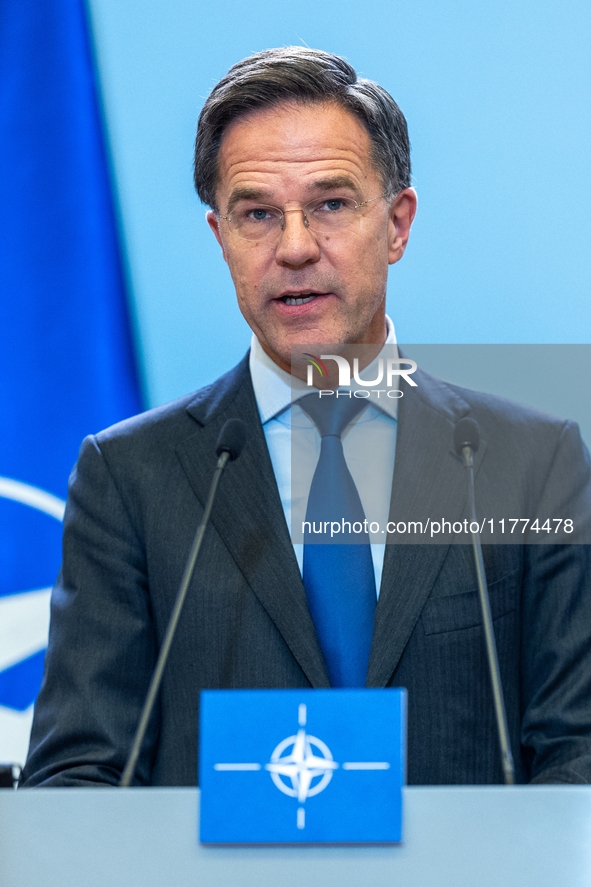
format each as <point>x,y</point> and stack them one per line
<point>287,141</point>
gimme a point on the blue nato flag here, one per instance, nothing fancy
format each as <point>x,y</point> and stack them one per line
<point>67,365</point>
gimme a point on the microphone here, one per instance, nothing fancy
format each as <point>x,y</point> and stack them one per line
<point>231,439</point>
<point>230,443</point>
<point>466,443</point>
<point>466,434</point>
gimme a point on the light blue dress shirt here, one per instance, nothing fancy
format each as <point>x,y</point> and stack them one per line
<point>371,466</point>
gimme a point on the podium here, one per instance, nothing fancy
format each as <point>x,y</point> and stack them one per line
<point>526,836</point>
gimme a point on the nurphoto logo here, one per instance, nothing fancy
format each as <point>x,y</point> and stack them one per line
<point>388,371</point>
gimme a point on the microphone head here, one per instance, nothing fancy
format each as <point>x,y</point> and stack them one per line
<point>466,434</point>
<point>231,439</point>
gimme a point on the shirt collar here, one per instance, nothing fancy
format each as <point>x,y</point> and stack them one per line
<point>273,386</point>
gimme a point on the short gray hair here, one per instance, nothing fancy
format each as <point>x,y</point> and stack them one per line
<point>296,73</point>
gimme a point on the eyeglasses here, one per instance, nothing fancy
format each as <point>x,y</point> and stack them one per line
<point>321,216</point>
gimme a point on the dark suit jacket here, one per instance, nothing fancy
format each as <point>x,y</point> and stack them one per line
<point>135,499</point>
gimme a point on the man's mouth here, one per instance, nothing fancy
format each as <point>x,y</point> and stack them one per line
<point>300,299</point>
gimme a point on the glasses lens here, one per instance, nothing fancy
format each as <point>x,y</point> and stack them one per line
<point>254,223</point>
<point>330,214</point>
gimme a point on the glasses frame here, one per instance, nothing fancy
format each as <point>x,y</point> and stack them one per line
<point>283,213</point>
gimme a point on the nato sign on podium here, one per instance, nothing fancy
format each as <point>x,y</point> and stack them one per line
<point>302,766</point>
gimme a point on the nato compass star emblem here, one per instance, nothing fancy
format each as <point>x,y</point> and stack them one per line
<point>302,766</point>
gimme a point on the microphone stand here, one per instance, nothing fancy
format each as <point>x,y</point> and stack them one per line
<point>489,637</point>
<point>142,726</point>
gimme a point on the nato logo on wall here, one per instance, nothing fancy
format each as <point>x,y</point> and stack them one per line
<point>36,515</point>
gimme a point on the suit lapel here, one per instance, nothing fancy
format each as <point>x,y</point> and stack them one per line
<point>248,514</point>
<point>429,482</point>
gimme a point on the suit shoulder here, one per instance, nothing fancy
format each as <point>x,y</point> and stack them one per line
<point>503,409</point>
<point>515,426</point>
<point>146,443</point>
<point>175,421</point>
<point>500,420</point>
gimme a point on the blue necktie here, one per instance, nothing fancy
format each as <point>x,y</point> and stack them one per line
<point>338,570</point>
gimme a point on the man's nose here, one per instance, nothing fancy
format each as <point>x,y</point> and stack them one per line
<point>297,243</point>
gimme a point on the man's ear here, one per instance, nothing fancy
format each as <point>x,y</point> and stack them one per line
<point>214,224</point>
<point>402,212</point>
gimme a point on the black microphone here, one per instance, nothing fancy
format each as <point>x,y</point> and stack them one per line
<point>231,439</point>
<point>466,434</point>
<point>230,443</point>
<point>466,443</point>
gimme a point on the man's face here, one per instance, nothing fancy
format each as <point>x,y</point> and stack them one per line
<point>287,156</point>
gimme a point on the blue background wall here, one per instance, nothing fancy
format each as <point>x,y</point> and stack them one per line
<point>497,99</point>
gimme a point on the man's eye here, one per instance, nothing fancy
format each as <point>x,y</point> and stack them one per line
<point>333,205</point>
<point>258,215</point>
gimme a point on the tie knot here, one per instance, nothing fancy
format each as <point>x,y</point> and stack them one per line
<point>332,413</point>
